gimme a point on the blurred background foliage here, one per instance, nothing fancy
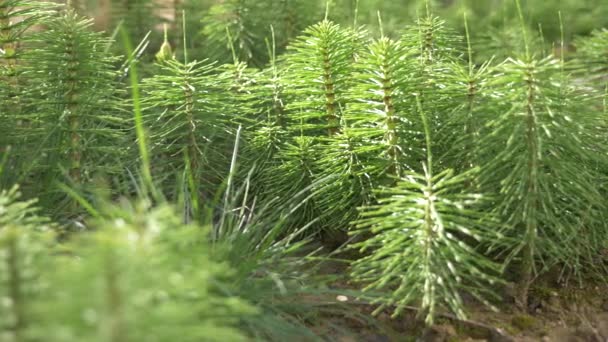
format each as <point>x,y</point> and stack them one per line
<point>215,27</point>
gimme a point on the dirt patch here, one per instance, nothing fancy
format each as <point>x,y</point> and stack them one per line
<point>556,314</point>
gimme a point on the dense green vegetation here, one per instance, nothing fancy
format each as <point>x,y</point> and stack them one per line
<point>189,177</point>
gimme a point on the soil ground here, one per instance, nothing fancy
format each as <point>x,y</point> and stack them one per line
<point>557,313</point>
<point>560,318</point>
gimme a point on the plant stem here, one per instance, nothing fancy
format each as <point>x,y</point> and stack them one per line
<point>15,289</point>
<point>71,101</point>
<point>279,108</point>
<point>330,94</point>
<point>142,143</point>
<point>470,128</point>
<point>10,46</point>
<point>191,143</point>
<point>429,217</point>
<point>117,328</point>
<point>530,234</point>
<point>427,136</point>
<point>192,150</point>
<point>391,136</point>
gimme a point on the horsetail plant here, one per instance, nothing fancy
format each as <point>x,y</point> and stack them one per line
<point>295,175</point>
<point>76,120</point>
<point>469,85</point>
<point>184,113</point>
<point>17,17</point>
<point>245,105</point>
<point>434,47</point>
<point>238,17</point>
<point>539,155</point>
<point>319,68</point>
<point>382,116</point>
<point>267,137</point>
<point>417,246</point>
<point>346,178</point>
<point>373,137</point>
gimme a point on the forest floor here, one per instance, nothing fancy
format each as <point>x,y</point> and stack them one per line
<point>557,313</point>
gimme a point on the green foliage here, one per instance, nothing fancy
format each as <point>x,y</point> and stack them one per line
<point>346,179</point>
<point>244,106</point>
<point>15,212</point>
<point>25,246</point>
<point>275,262</point>
<point>154,277</point>
<point>295,175</point>
<point>186,297</point>
<point>249,21</point>
<point>16,17</point>
<point>317,70</point>
<point>24,257</point>
<point>136,16</point>
<point>266,140</point>
<point>469,90</point>
<point>582,16</point>
<point>243,25</point>
<point>234,18</point>
<point>435,49</point>
<point>593,52</point>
